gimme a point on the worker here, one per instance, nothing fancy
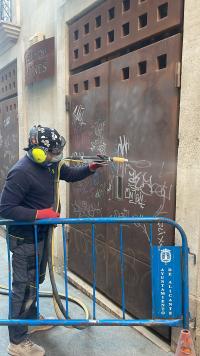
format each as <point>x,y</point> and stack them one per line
<point>28,194</point>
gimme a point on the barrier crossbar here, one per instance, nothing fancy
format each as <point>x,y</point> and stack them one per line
<point>182,320</point>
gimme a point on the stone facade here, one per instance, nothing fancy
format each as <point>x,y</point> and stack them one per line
<point>188,169</point>
<point>44,103</point>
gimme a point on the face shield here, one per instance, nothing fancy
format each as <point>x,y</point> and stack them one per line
<point>56,158</point>
<point>56,153</point>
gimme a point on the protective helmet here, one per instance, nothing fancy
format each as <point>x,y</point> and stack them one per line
<point>47,138</point>
<point>42,140</point>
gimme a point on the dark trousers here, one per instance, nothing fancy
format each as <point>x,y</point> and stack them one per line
<point>23,304</point>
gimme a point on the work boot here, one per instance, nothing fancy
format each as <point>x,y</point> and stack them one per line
<point>25,348</point>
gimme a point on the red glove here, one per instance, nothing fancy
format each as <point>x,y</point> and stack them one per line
<point>46,214</point>
<point>95,165</point>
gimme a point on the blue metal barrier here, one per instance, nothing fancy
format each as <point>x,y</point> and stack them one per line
<point>170,295</point>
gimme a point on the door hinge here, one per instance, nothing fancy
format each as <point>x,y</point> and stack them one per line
<point>193,255</point>
<point>67,102</point>
<point>178,75</point>
<point>193,323</point>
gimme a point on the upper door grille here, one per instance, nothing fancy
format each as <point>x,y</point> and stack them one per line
<point>114,25</point>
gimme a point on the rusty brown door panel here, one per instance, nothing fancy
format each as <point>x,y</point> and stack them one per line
<point>9,137</point>
<point>137,283</point>
<point>116,24</point>
<point>80,260</point>
<point>132,112</point>
<point>143,127</point>
<point>89,133</point>
<point>9,131</point>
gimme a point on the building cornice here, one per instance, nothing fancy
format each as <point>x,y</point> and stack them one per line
<point>9,34</point>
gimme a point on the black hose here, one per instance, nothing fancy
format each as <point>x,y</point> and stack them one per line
<point>49,245</point>
<point>4,291</point>
<point>51,273</point>
<point>55,293</point>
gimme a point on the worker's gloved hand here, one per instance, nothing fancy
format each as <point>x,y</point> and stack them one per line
<point>46,214</point>
<point>95,165</point>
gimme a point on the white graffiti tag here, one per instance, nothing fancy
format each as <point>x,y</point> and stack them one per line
<point>86,209</point>
<point>161,233</point>
<point>116,213</point>
<point>78,114</point>
<point>122,151</point>
<point>140,185</point>
<point>123,146</point>
<point>98,145</point>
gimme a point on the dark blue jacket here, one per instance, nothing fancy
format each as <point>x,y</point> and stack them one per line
<point>29,187</point>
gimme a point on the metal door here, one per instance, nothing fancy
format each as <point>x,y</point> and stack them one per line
<point>143,126</point>
<point>9,131</point>
<point>127,106</point>
<point>89,130</point>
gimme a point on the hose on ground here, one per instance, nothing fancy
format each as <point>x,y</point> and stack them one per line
<point>61,296</point>
<point>57,296</point>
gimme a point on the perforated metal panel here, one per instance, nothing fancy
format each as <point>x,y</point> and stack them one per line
<point>8,81</point>
<point>9,130</point>
<point>118,24</point>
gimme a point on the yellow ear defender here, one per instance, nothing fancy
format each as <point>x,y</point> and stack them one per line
<point>39,154</point>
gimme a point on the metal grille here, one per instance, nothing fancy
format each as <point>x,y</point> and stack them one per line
<point>9,130</point>
<point>8,81</point>
<point>118,24</point>
<point>6,10</point>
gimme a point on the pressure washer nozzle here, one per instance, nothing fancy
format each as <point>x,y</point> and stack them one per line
<point>119,159</point>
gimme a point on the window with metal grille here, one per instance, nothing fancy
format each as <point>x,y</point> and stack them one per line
<point>125,73</point>
<point>97,82</point>
<point>76,88</point>
<point>98,21</point>
<point>162,11</point>
<point>142,20</point>
<point>76,35</point>
<point>142,67</point>
<point>125,29</point>
<point>98,43</point>
<point>86,84</point>
<point>111,13</point>
<point>6,10</point>
<point>162,61</point>
<point>125,5</point>
<point>86,48</point>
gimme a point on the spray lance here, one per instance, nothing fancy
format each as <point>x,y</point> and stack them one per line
<point>97,159</point>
